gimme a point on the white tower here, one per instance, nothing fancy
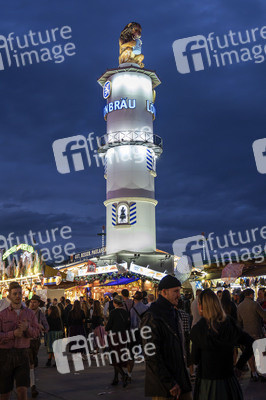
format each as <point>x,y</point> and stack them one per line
<point>130,149</point>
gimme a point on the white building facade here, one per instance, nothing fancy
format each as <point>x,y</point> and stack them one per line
<point>130,149</point>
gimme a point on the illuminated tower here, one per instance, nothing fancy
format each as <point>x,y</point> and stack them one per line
<point>130,149</point>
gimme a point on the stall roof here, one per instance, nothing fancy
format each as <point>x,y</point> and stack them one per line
<point>50,272</point>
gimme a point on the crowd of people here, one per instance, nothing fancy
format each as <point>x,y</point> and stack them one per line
<point>205,342</point>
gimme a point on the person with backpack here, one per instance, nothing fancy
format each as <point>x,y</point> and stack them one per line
<point>138,309</point>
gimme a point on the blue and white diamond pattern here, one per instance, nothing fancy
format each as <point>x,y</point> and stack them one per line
<point>149,160</point>
<point>132,213</point>
<point>114,207</point>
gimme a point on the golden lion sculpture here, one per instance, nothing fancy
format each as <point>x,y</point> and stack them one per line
<point>130,44</point>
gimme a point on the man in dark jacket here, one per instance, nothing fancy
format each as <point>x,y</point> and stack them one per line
<point>166,374</point>
<point>66,313</point>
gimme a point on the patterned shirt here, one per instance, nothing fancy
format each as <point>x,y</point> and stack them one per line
<point>185,320</point>
<point>42,320</point>
<point>9,322</point>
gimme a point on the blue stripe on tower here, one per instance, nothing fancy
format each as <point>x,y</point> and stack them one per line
<point>114,214</point>
<point>149,159</point>
<point>133,214</point>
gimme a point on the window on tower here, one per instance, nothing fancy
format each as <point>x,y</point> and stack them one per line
<point>123,213</point>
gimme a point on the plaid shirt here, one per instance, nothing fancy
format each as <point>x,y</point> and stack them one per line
<point>9,322</point>
<point>42,320</point>
<point>185,318</point>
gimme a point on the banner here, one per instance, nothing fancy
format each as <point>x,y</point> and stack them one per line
<point>88,254</point>
<point>13,249</point>
<point>231,272</point>
<point>146,272</point>
<point>99,270</point>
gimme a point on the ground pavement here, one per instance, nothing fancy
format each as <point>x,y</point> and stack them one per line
<point>94,383</point>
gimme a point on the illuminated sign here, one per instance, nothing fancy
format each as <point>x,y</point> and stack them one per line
<point>150,273</point>
<point>119,105</point>
<point>13,249</point>
<point>107,90</point>
<point>87,254</point>
<point>98,270</point>
<point>151,108</point>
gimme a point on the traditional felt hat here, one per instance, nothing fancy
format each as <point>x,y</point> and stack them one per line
<point>36,297</point>
<point>169,282</point>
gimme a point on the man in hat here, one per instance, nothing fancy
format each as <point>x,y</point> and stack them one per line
<point>166,373</point>
<point>18,325</point>
<point>35,304</point>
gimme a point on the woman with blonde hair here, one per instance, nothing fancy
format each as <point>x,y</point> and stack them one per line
<point>213,340</point>
<point>85,307</point>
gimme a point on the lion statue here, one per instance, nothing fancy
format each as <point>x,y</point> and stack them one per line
<point>130,44</point>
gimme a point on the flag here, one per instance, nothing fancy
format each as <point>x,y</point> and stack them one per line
<point>231,272</point>
<point>91,266</point>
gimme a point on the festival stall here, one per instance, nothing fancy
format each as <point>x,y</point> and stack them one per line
<point>23,264</point>
<point>93,280</point>
<point>233,275</point>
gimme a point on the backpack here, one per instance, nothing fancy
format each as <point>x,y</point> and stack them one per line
<point>138,314</point>
<point>137,333</point>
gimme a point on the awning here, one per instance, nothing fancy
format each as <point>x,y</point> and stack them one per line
<point>50,272</point>
<point>122,281</point>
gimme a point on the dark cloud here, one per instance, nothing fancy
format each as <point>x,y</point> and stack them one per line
<point>207,178</point>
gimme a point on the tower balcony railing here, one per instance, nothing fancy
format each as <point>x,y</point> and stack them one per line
<point>131,137</point>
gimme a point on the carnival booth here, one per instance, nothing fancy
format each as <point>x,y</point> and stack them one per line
<point>22,263</point>
<point>97,278</point>
<point>234,275</point>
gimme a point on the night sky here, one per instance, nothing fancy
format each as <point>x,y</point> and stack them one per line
<point>207,180</point>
